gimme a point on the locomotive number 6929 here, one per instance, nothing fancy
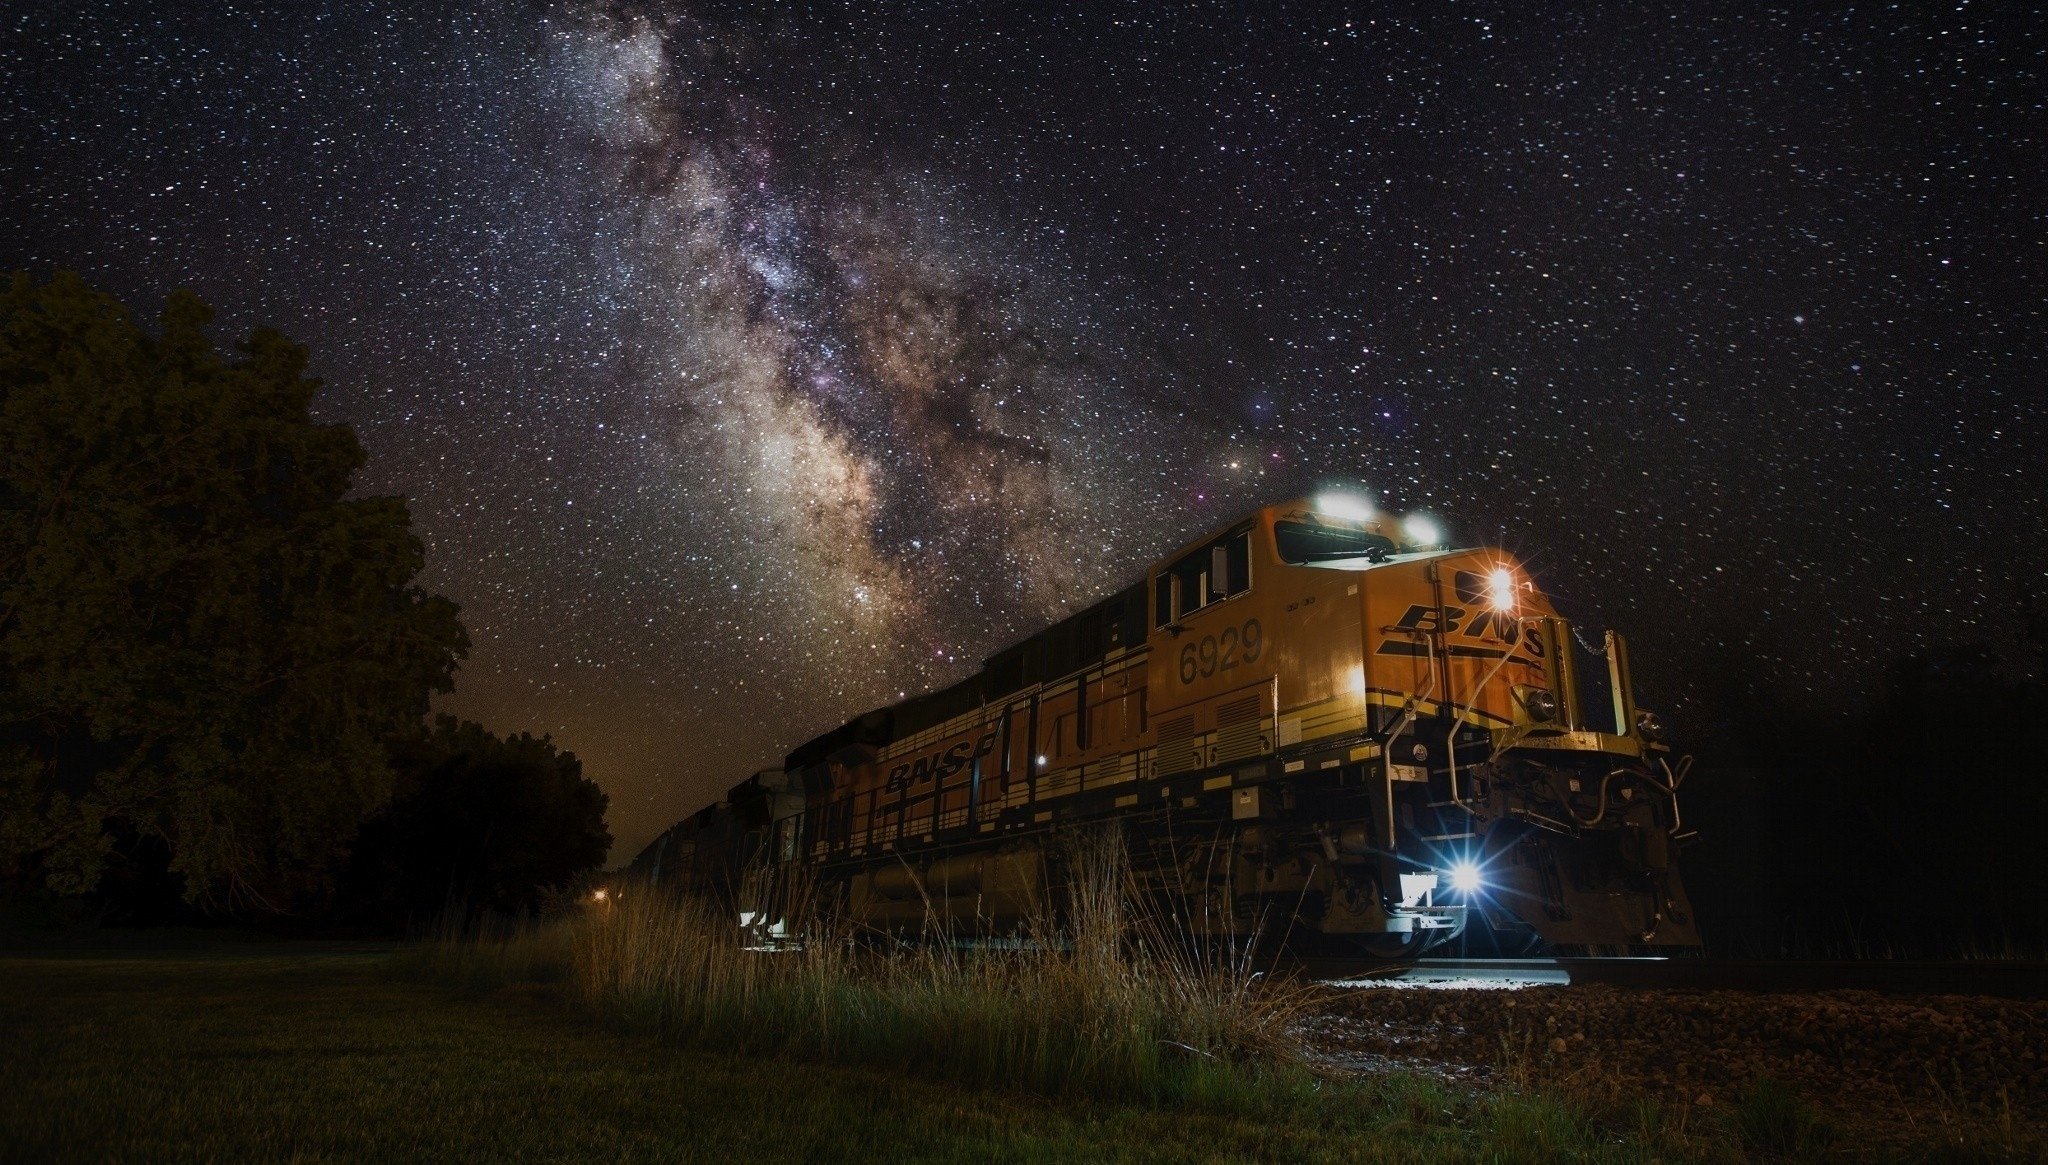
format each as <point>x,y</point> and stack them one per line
<point>1214,653</point>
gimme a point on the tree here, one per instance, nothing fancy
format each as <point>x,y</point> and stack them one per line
<point>479,825</point>
<point>204,640</point>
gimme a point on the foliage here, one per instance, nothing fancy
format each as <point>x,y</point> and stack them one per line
<point>203,639</point>
<point>1904,830</point>
<point>478,825</point>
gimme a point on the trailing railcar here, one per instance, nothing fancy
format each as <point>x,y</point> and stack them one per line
<point>1317,723</point>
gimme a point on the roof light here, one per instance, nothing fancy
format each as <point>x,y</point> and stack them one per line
<point>1421,531</point>
<point>1349,507</point>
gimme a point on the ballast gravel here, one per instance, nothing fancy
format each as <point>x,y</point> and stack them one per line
<point>1861,1056</point>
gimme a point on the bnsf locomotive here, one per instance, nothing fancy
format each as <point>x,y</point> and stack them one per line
<point>1317,722</point>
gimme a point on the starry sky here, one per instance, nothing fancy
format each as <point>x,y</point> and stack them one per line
<point>746,370</point>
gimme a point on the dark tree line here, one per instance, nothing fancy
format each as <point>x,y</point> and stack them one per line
<point>479,825</point>
<point>215,662</point>
<point>1912,828</point>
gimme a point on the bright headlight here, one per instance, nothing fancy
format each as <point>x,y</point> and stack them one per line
<point>1465,877</point>
<point>1349,507</point>
<point>1500,587</point>
<point>1421,531</point>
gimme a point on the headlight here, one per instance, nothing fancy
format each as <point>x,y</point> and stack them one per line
<point>1465,877</point>
<point>1421,531</point>
<point>1648,726</point>
<point>1541,705</point>
<point>1500,587</point>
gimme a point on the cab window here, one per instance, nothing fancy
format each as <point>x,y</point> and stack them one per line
<point>1301,542</point>
<point>1218,571</point>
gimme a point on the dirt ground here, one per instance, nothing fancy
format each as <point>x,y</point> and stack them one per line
<point>1889,1065</point>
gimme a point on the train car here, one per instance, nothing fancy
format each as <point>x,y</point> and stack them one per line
<point>1318,723</point>
<point>722,850</point>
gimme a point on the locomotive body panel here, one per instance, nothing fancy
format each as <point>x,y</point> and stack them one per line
<point>1439,634</point>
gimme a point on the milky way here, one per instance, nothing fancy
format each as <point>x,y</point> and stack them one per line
<point>745,371</point>
<point>875,385</point>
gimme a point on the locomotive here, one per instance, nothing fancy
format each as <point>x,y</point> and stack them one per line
<point>1319,723</point>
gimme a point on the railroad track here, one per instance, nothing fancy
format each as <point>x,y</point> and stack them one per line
<point>2011,980</point>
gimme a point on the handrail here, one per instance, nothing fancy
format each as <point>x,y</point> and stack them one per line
<point>1451,738</point>
<point>1408,709</point>
<point>1601,814</point>
<point>1670,790</point>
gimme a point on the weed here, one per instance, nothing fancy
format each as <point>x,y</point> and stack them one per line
<point>1775,1121</point>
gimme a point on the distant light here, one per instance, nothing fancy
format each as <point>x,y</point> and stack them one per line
<point>1349,507</point>
<point>1041,762</point>
<point>1501,584</point>
<point>600,895</point>
<point>1421,531</point>
<point>1464,877</point>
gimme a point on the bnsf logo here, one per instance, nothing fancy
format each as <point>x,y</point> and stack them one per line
<point>939,764</point>
<point>1498,626</point>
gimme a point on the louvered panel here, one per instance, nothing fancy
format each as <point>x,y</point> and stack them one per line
<point>1237,730</point>
<point>1177,751</point>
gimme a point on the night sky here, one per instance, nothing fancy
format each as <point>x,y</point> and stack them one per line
<point>747,372</point>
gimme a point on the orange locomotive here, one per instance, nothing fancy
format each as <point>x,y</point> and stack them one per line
<point>1315,722</point>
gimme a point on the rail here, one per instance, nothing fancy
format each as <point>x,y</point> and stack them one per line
<point>2000,978</point>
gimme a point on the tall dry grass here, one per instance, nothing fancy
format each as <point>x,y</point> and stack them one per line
<point>1110,1002</point>
<point>1106,1003</point>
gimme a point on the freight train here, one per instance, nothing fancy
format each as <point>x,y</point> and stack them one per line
<point>1319,724</point>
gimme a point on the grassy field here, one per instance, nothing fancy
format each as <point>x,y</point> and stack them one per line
<point>246,1053</point>
<point>268,1052</point>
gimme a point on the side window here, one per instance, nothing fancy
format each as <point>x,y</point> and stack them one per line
<point>1218,571</point>
<point>1231,572</point>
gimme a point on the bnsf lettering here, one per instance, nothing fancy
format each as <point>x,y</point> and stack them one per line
<point>939,765</point>
<point>955,757</point>
<point>1425,618</point>
<point>1500,626</point>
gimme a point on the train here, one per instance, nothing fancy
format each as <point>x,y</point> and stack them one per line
<point>1320,725</point>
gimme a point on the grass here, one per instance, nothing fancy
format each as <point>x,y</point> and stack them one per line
<point>1774,1121</point>
<point>250,1055</point>
<point>1116,1042</point>
<point>1119,1012</point>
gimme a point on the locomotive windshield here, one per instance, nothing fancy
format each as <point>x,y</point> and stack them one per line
<point>1302,542</point>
